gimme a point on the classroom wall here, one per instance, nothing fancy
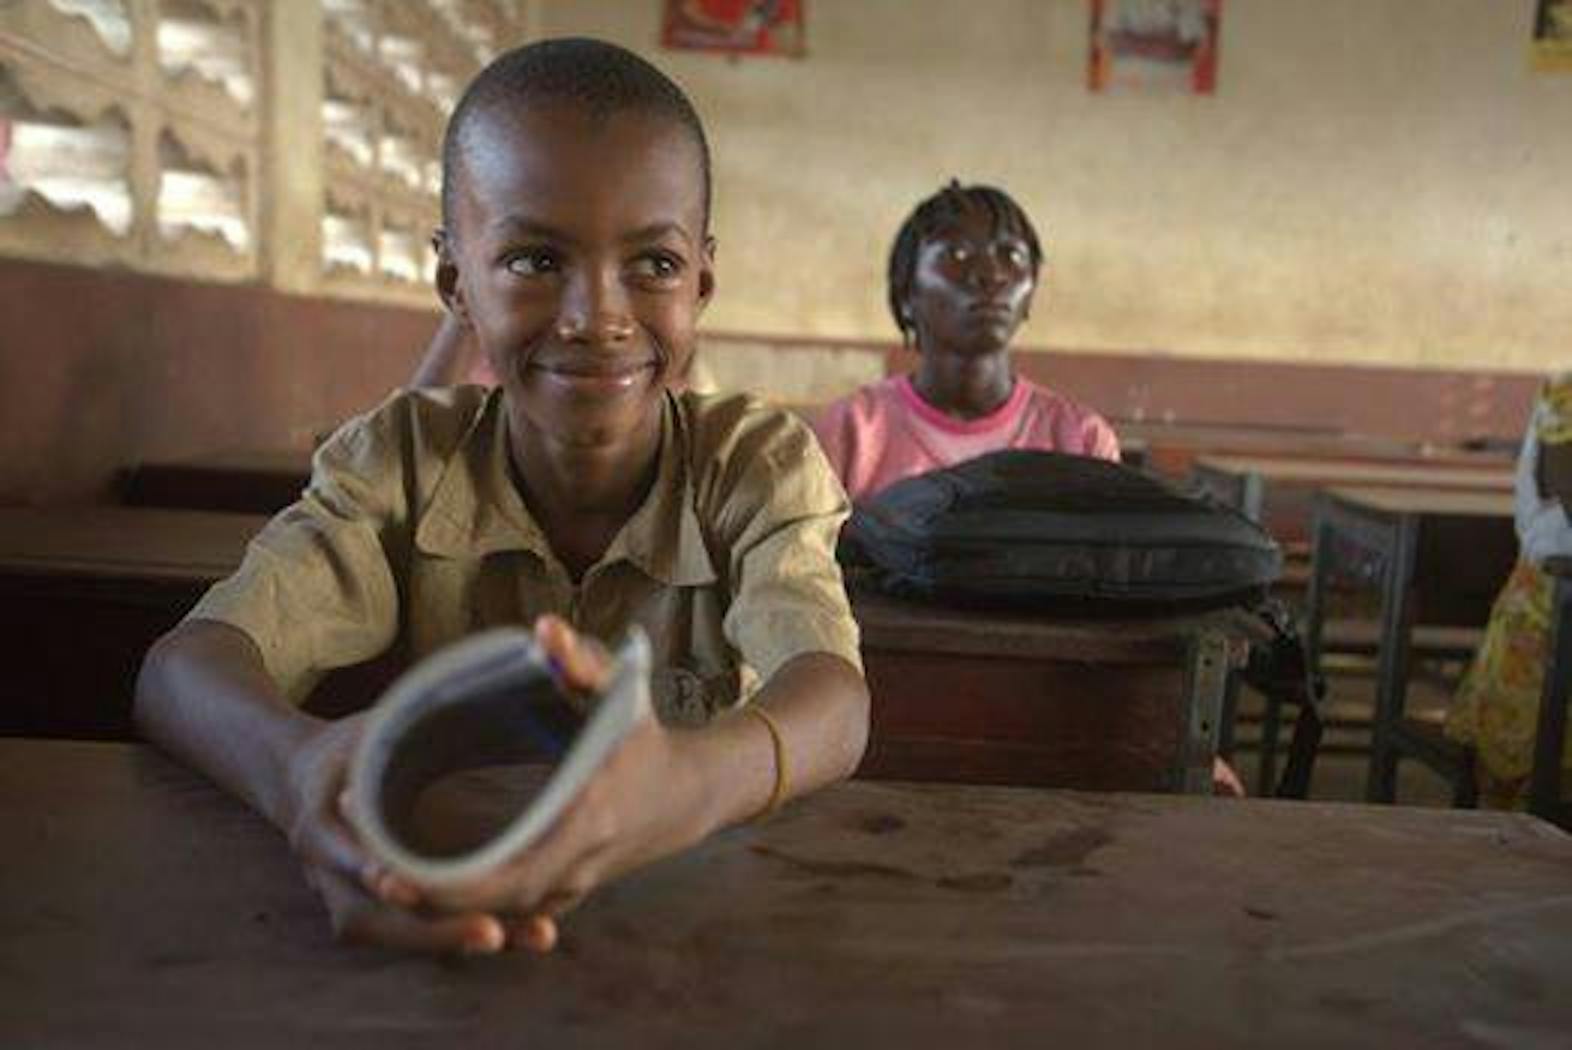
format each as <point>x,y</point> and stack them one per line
<point>1375,181</point>
<point>1378,187</point>
<point>101,369</point>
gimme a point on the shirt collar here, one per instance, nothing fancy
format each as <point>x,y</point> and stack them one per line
<point>476,510</point>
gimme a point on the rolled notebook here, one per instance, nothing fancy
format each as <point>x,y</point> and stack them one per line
<point>486,701</point>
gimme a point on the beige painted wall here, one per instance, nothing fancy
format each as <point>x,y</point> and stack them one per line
<point>1375,181</point>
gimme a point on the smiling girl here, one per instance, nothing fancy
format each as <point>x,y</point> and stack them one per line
<point>583,495</point>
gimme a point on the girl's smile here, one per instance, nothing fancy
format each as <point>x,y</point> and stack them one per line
<point>578,256</point>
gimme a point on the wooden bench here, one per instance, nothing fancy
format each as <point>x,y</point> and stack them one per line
<point>85,591</point>
<point>243,481</point>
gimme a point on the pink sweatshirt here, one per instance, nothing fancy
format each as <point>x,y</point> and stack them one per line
<point>885,432</point>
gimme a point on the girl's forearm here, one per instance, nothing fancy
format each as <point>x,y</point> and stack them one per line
<point>819,705</point>
<point>204,696</point>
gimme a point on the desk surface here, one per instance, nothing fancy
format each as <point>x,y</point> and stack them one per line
<point>123,542</point>
<point>140,907</point>
<point>1459,503</point>
<point>1494,476</point>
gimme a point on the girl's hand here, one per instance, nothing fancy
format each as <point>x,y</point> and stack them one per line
<point>1224,780</point>
<point>366,903</point>
<point>645,802</point>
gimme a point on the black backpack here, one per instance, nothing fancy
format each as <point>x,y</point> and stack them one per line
<point>1045,529</point>
<point>1074,535</point>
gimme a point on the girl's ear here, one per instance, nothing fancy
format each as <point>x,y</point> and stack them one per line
<point>449,288</point>
<point>1031,297</point>
<point>707,273</point>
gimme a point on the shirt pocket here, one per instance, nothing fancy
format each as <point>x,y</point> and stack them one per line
<point>688,697</point>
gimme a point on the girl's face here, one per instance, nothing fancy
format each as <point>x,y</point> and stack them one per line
<point>579,259</point>
<point>972,285</point>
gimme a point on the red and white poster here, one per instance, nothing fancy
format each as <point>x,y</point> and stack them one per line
<point>735,27</point>
<point>1154,46</point>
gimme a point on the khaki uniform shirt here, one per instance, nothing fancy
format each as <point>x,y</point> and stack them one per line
<point>412,531</point>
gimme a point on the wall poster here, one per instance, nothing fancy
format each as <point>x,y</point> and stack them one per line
<point>735,27</point>
<point>1154,46</point>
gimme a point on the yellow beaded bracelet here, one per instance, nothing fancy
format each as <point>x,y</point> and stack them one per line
<point>778,745</point>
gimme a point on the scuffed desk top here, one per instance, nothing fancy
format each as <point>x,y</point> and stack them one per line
<point>140,907</point>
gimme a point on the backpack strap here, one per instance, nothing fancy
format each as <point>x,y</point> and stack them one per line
<point>1283,672</point>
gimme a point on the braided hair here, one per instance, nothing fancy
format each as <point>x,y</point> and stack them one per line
<point>926,219</point>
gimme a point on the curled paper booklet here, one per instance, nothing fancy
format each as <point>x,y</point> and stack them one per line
<point>487,701</point>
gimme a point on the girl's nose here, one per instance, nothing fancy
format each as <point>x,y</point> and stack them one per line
<point>988,273</point>
<point>596,328</point>
<point>595,310</point>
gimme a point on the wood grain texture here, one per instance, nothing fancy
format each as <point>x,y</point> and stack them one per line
<point>988,696</point>
<point>140,907</point>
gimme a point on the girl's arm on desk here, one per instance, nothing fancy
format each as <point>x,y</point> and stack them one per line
<point>204,696</point>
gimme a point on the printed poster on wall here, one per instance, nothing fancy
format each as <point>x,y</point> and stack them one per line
<point>1553,36</point>
<point>1154,47</point>
<point>735,27</point>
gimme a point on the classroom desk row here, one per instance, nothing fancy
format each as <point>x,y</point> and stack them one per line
<point>143,907</point>
<point>1434,542</point>
<point>968,696</point>
<point>262,481</point>
<point>1435,556</point>
<point>1433,605</point>
<point>1172,449</point>
<point>1278,491</point>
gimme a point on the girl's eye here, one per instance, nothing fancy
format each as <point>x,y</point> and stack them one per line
<point>657,265</point>
<point>1016,256</point>
<point>956,253</point>
<point>533,262</point>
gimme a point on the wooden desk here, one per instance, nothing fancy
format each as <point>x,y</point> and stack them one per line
<point>242,481</point>
<point>1436,556</point>
<point>1006,698</point>
<point>1277,491</point>
<point>84,592</point>
<point>141,907</point>
<point>1171,449</point>
<point>957,696</point>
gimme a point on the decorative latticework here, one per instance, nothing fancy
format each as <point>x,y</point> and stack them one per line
<point>290,141</point>
<point>130,133</point>
<point>392,71</point>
